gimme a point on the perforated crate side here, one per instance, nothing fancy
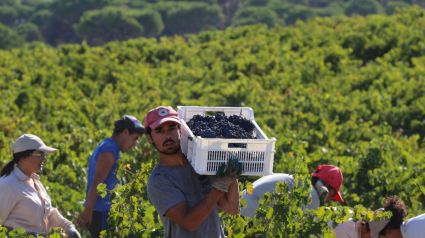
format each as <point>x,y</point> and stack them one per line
<point>186,141</point>
<point>254,162</point>
<point>206,155</point>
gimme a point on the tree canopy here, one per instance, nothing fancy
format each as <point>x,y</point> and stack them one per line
<point>73,21</point>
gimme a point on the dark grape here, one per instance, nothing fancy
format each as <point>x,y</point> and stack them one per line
<point>208,134</point>
<point>221,126</point>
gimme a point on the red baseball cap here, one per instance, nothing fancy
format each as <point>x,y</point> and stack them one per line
<point>160,115</point>
<point>332,175</point>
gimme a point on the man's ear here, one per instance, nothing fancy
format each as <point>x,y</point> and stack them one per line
<point>125,132</point>
<point>326,184</point>
<point>149,138</point>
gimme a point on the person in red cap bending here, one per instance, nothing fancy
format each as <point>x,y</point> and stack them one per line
<point>186,201</point>
<point>325,185</point>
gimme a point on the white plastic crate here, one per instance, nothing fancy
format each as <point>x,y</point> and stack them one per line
<point>206,154</point>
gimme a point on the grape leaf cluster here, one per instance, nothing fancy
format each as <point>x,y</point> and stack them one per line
<point>221,126</point>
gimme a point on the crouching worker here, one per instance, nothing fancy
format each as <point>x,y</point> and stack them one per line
<point>24,202</point>
<point>186,201</point>
<point>351,229</point>
<point>396,226</point>
<point>325,185</point>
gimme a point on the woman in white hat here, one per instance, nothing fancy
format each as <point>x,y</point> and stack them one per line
<point>396,227</point>
<point>24,202</point>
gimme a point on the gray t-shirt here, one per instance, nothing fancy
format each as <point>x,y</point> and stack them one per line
<point>268,184</point>
<point>169,186</point>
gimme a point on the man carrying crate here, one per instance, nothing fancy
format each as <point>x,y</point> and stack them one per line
<point>326,182</point>
<point>186,201</point>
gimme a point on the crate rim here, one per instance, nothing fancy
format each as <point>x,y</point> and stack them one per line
<point>212,109</point>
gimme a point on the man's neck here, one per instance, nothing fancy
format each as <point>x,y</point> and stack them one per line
<point>175,160</point>
<point>117,139</point>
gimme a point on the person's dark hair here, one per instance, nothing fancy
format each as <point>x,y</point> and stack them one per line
<point>131,132</point>
<point>314,180</point>
<point>8,168</point>
<point>399,210</point>
<point>367,225</point>
<point>148,130</point>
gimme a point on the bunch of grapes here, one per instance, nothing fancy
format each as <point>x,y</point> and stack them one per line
<point>221,126</point>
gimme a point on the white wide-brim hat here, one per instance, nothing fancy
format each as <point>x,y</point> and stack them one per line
<point>377,226</point>
<point>31,142</point>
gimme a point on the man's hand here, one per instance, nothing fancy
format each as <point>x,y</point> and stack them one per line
<point>322,191</point>
<point>72,232</point>
<point>85,218</point>
<point>224,178</point>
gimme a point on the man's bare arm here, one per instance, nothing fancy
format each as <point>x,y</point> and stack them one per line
<point>104,164</point>
<point>193,217</point>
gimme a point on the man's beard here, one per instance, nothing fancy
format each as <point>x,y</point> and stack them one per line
<point>168,152</point>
